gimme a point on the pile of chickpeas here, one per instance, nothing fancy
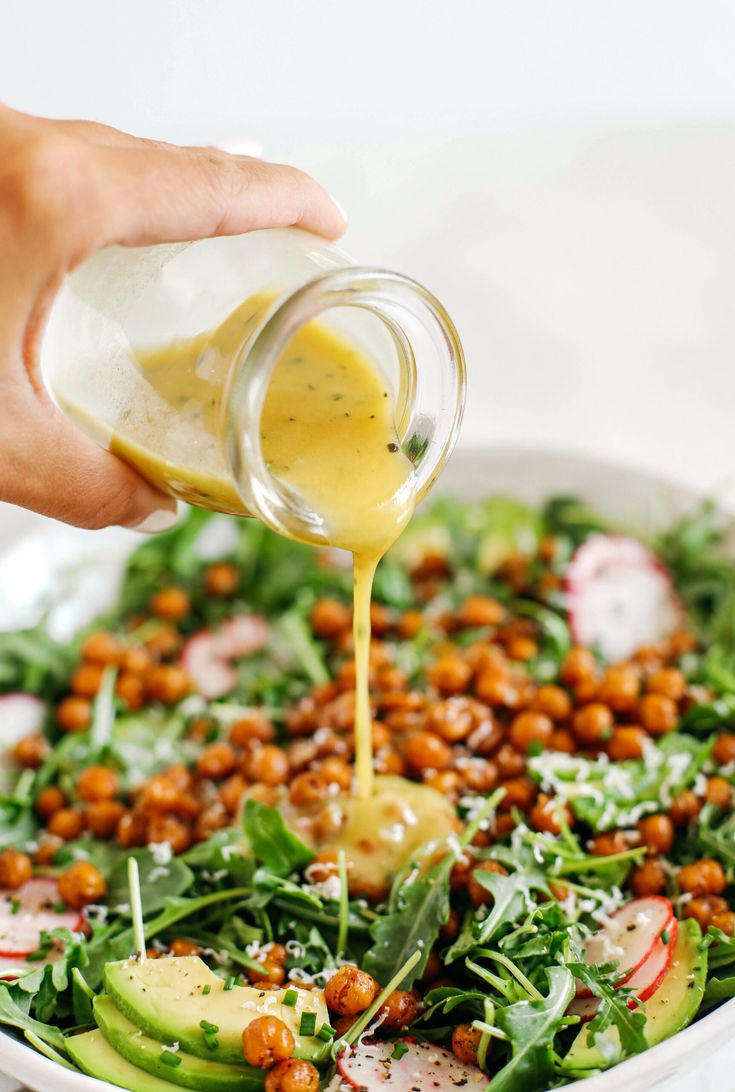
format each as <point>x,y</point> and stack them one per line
<point>468,727</point>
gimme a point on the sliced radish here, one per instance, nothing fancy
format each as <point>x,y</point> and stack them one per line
<point>649,976</point>
<point>20,715</point>
<point>29,911</point>
<point>628,936</point>
<point>12,968</point>
<point>619,596</point>
<point>207,656</point>
<point>423,1065</point>
<point>583,1007</point>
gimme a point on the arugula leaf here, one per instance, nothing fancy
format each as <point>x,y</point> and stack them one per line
<point>272,843</point>
<point>13,1013</point>
<point>419,909</point>
<point>630,1023</point>
<point>158,882</point>
<point>531,1027</point>
<point>509,894</point>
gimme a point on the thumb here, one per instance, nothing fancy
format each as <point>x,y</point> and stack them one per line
<point>52,468</point>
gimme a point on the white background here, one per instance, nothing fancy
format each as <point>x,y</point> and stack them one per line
<point>560,172</point>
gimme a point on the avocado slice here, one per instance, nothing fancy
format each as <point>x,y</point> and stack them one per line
<point>671,1008</point>
<point>94,1055</point>
<point>146,1053</point>
<point>169,998</point>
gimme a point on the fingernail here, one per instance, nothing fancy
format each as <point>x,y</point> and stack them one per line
<point>339,207</point>
<point>160,520</point>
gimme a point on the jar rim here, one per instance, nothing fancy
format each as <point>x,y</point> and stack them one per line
<point>392,298</point>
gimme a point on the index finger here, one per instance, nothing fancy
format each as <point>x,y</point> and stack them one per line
<point>170,194</point>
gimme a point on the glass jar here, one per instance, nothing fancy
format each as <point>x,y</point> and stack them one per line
<point>124,302</point>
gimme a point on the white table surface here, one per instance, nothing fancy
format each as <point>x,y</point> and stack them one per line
<point>590,272</point>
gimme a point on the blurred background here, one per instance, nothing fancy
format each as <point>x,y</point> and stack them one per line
<point>562,175</point>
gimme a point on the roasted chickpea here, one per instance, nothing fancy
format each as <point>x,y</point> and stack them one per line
<point>510,763</point>
<point>657,833</point>
<point>528,728</point>
<point>399,1010</point>
<point>97,783</point>
<point>131,830</point>
<point>619,687</point>
<point>626,742</point>
<point>267,1040</point>
<point>251,730</point>
<point>231,793</point>
<point>684,808</point>
<point>221,580</point>
<point>268,764</point>
<point>703,877</point>
<point>450,674</point>
<point>562,740</point>
<point>410,623</point>
<point>703,908</point>
<point>159,794</point>
<point>669,682</point>
<point>172,604</point>
<point>66,823</point>
<point>164,643</point>
<point>292,1075</point>
<point>448,782</point>
<point>465,1043</point>
<point>494,686</point>
<point>553,702</point>
<point>30,751</point>
<point>168,683</point>
<point>48,846</point>
<point>723,751</point>
<point>330,618</point>
<point>477,774</point>
<point>102,817</point>
<point>520,792</point>
<point>657,714</point>
<point>548,813</point>
<point>135,660</point>
<point>648,878</point>
<point>217,761</point>
<point>74,714</point>
<point>725,921</point>
<point>426,751</point>
<point>478,611</point>
<point>593,723</point>
<point>451,927</point>
<point>15,868</point>
<point>81,885</point>
<point>350,991</point>
<point>131,688</point>
<point>609,843</point>
<point>272,973</point>
<point>719,792</point>
<point>335,771</point>
<point>521,648</point>
<point>101,648</point>
<point>579,665</point>
<point>85,681</point>
<point>478,894</point>
<point>165,828</point>
<point>182,946</point>
<point>49,800</point>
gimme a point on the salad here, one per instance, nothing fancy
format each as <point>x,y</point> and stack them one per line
<point>542,887</point>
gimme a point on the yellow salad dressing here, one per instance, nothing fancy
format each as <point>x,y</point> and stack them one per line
<point>327,432</point>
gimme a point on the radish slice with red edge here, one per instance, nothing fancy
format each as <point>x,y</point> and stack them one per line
<point>628,936</point>
<point>29,911</point>
<point>207,655</point>
<point>372,1064</point>
<point>619,596</point>
<point>649,976</point>
<point>583,1007</point>
<point>20,715</point>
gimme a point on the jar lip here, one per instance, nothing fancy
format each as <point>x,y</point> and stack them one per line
<point>370,288</point>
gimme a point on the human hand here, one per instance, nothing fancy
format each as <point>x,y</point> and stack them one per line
<point>68,188</point>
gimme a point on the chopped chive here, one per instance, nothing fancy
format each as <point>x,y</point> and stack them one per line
<point>290,998</point>
<point>14,905</point>
<point>326,1033</point>
<point>308,1023</point>
<point>665,936</point>
<point>535,748</point>
<point>399,1050</point>
<point>59,906</point>
<point>206,989</point>
<point>169,1058</point>
<point>206,1026</point>
<point>229,981</point>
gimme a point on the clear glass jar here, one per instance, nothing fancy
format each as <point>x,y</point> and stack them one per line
<point>126,301</point>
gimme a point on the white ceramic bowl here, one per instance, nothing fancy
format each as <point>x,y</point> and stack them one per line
<point>627,495</point>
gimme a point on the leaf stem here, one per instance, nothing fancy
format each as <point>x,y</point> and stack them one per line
<point>354,1033</point>
<point>344,905</point>
<point>136,908</point>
